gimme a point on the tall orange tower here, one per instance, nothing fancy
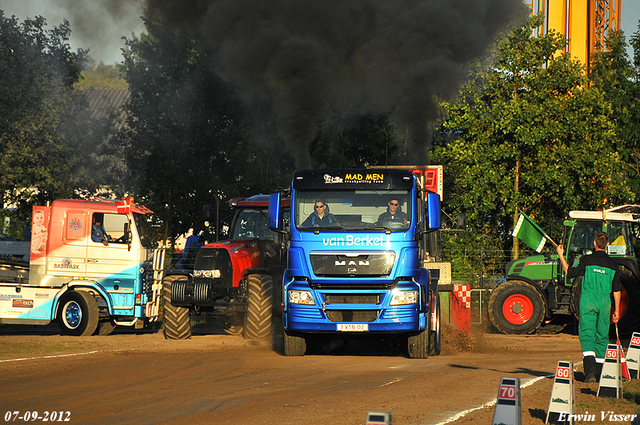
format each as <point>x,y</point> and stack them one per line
<point>585,23</point>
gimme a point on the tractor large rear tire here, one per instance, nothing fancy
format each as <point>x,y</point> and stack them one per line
<point>258,319</point>
<point>78,313</point>
<point>177,322</point>
<point>629,299</point>
<point>233,323</point>
<point>629,306</point>
<point>516,307</point>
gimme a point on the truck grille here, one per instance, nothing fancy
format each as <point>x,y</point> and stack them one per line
<point>213,265</point>
<point>351,299</point>
<point>341,264</point>
<point>352,315</point>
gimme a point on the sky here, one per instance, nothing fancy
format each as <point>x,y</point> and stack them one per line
<point>99,25</point>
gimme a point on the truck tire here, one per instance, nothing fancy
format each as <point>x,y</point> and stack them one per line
<point>516,307</point>
<point>105,327</point>
<point>257,321</point>
<point>293,344</point>
<point>177,322</point>
<point>418,345</point>
<point>435,342</point>
<point>77,313</point>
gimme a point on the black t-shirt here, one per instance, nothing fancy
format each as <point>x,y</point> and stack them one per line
<point>595,260</point>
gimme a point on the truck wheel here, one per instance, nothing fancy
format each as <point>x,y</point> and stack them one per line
<point>418,345</point>
<point>177,322</point>
<point>77,313</point>
<point>435,343</point>
<point>516,307</point>
<point>105,328</point>
<point>257,321</point>
<point>293,344</point>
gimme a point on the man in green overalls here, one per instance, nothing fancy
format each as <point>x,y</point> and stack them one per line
<point>600,277</point>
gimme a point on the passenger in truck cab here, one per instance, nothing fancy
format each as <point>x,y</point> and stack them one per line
<point>321,216</point>
<point>393,214</point>
<point>98,233</point>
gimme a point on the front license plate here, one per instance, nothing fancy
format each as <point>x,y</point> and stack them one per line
<point>353,327</point>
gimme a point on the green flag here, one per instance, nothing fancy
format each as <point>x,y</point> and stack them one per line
<point>529,233</point>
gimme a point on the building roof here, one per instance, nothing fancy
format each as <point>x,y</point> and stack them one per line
<point>106,101</point>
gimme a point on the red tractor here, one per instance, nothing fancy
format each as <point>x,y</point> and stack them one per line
<point>232,279</point>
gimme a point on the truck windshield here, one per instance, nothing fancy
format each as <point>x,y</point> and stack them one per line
<point>364,210</point>
<point>143,230</point>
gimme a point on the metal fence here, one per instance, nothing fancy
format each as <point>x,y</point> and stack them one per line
<point>482,270</point>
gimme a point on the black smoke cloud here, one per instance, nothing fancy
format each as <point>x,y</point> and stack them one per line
<point>309,57</point>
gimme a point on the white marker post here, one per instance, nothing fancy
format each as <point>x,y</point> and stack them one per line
<point>633,355</point>
<point>508,410</point>
<point>379,418</point>
<point>562,401</point>
<point>611,379</point>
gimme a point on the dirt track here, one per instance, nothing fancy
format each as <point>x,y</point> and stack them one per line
<point>215,378</point>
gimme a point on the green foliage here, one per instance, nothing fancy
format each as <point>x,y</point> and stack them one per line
<point>614,75</point>
<point>45,127</point>
<point>102,76</point>
<point>529,134</point>
<point>476,257</point>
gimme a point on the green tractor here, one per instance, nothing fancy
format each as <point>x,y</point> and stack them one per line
<point>537,296</point>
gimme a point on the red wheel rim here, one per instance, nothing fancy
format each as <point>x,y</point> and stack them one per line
<point>517,309</point>
<point>624,303</point>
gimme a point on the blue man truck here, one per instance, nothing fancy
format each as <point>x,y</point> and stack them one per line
<point>357,268</point>
<point>87,286</point>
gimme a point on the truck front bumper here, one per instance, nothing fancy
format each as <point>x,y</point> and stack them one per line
<point>375,309</point>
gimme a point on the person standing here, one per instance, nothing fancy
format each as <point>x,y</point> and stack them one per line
<point>600,277</point>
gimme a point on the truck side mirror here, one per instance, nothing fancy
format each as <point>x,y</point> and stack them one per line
<point>433,211</point>
<point>208,212</point>
<point>211,213</point>
<point>274,211</point>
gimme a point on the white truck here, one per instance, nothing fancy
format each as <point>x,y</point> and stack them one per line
<point>88,286</point>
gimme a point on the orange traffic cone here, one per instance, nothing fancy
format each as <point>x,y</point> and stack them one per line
<point>624,370</point>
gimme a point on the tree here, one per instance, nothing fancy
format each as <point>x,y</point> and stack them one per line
<point>529,134</point>
<point>102,76</point>
<point>361,141</point>
<point>45,131</point>
<point>618,79</point>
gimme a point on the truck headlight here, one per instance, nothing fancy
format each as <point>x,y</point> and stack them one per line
<point>301,297</point>
<point>403,297</point>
